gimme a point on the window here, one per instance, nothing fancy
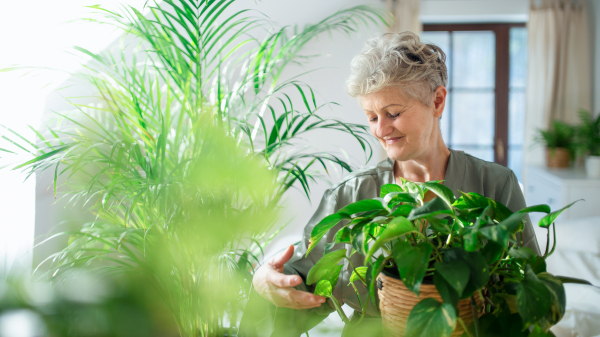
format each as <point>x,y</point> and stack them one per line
<point>485,108</point>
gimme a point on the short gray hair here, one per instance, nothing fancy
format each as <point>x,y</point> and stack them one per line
<point>400,60</point>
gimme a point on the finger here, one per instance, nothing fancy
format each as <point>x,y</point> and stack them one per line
<point>278,261</point>
<point>283,281</point>
<point>291,298</point>
<point>303,298</point>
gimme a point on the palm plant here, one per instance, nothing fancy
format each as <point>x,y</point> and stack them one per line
<point>588,133</point>
<point>182,157</point>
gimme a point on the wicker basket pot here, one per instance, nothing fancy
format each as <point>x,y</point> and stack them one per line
<point>396,302</point>
<point>558,157</point>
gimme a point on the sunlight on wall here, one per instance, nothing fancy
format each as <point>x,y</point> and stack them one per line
<point>37,34</point>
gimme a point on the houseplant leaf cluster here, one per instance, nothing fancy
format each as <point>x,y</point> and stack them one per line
<point>189,140</point>
<point>467,247</point>
<point>588,133</point>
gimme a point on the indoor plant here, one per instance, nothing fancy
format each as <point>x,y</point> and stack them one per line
<point>468,248</point>
<point>191,102</point>
<point>588,140</point>
<point>558,140</point>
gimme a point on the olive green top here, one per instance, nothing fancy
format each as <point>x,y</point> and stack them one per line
<point>464,173</point>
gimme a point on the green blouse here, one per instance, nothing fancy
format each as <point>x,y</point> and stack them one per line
<point>464,173</point>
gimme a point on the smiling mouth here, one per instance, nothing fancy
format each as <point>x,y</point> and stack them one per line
<point>392,140</point>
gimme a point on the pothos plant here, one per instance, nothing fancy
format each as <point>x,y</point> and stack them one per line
<point>471,245</point>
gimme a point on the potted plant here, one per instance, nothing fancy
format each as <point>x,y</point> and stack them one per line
<point>588,140</point>
<point>443,267</point>
<point>558,140</point>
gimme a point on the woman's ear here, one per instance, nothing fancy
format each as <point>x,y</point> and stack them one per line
<point>439,101</point>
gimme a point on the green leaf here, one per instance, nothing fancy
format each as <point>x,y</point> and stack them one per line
<point>474,200</point>
<point>328,247</point>
<point>342,236</point>
<point>550,218</point>
<point>358,273</point>
<point>558,298</point>
<point>394,198</point>
<point>501,232</point>
<point>491,325</point>
<point>502,212</point>
<point>441,191</point>
<point>479,269</point>
<point>389,188</point>
<point>525,253</point>
<point>323,288</point>
<point>402,210</point>
<point>429,209</point>
<point>440,225</point>
<point>513,223</point>
<point>491,252</point>
<point>537,264</point>
<point>539,332</point>
<point>362,206</point>
<point>323,267</point>
<point>431,318</point>
<point>398,226</point>
<point>334,275</point>
<point>566,279</point>
<point>323,227</point>
<point>537,208</point>
<point>447,292</point>
<point>497,234</point>
<point>533,298</point>
<point>455,272</point>
<point>471,243</point>
<point>359,236</point>
<point>412,263</point>
<point>512,325</point>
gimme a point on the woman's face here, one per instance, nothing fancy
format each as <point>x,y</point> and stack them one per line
<point>406,128</point>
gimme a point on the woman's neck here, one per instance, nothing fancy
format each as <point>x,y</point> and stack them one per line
<point>429,166</point>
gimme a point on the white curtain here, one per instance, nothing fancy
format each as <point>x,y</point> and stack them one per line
<point>406,16</point>
<point>559,68</point>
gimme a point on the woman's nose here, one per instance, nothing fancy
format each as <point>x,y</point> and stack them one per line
<point>384,128</point>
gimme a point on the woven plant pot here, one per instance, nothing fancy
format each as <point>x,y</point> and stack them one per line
<point>558,157</point>
<point>396,302</point>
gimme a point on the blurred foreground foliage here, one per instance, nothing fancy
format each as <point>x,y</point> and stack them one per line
<point>188,142</point>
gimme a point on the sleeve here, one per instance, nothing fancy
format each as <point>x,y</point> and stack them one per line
<point>512,197</point>
<point>262,318</point>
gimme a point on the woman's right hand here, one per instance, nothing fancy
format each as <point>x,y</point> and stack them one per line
<point>270,282</point>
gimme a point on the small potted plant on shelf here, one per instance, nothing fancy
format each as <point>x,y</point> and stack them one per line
<point>559,142</point>
<point>443,267</point>
<point>588,140</point>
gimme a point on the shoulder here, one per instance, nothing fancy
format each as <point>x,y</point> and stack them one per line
<point>488,169</point>
<point>484,177</point>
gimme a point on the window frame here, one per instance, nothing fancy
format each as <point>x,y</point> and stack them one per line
<point>502,74</point>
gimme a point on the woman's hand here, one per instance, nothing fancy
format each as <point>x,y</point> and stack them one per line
<point>270,282</point>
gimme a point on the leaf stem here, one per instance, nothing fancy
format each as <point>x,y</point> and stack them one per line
<point>354,269</point>
<point>547,241</point>
<point>554,239</point>
<point>475,318</point>
<point>339,310</point>
<point>464,326</point>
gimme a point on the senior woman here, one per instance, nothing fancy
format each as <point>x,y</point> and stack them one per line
<point>401,85</point>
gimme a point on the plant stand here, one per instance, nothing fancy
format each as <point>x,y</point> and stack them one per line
<point>396,303</point>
